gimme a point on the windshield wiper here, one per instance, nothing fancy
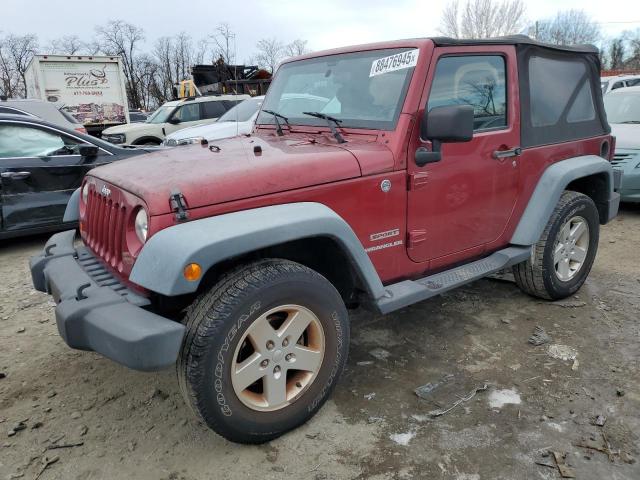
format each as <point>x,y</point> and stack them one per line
<point>330,121</point>
<point>276,115</point>
<point>631,121</point>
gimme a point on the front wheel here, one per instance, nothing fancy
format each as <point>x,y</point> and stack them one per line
<point>263,350</point>
<point>562,258</point>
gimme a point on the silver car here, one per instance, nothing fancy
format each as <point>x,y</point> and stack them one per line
<point>51,112</point>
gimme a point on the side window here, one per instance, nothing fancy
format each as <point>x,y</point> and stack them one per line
<point>479,81</point>
<point>617,85</point>
<point>27,141</point>
<point>212,109</point>
<point>633,83</point>
<point>11,111</point>
<point>570,100</point>
<point>188,113</point>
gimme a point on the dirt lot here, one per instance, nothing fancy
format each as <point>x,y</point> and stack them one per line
<point>110,423</point>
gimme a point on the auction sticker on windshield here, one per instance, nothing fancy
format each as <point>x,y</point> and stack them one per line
<point>394,62</point>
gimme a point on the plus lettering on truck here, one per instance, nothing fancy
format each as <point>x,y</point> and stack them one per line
<point>90,88</point>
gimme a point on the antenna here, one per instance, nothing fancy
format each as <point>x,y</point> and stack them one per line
<point>235,77</point>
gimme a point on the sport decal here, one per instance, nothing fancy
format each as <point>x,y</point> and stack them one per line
<point>395,62</point>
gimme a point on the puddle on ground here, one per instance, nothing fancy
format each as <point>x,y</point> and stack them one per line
<point>500,398</point>
<point>403,438</point>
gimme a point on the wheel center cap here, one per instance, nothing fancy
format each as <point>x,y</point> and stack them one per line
<point>277,356</point>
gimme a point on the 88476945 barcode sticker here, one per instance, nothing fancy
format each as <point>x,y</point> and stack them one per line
<point>394,62</point>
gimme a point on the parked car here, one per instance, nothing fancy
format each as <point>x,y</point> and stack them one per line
<point>236,121</point>
<point>171,117</point>
<point>608,84</point>
<point>241,118</point>
<point>41,164</point>
<point>434,163</point>
<point>49,111</point>
<point>623,113</point>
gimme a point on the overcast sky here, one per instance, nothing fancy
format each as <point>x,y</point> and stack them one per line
<point>324,23</point>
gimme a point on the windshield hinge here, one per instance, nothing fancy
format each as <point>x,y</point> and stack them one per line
<point>178,205</point>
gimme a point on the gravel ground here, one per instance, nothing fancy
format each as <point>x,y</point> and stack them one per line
<point>75,415</point>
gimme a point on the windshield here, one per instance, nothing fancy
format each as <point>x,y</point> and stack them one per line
<point>242,111</point>
<point>363,89</point>
<point>622,107</point>
<point>160,115</point>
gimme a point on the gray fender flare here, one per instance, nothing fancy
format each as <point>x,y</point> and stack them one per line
<point>160,264</point>
<point>72,212</point>
<point>552,183</point>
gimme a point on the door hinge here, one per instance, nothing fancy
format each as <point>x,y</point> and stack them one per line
<point>178,205</point>
<point>417,180</point>
<point>415,237</point>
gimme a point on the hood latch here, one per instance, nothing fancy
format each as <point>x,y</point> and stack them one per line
<point>178,205</point>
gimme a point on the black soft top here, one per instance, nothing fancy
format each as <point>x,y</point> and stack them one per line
<point>560,95</point>
<point>513,40</point>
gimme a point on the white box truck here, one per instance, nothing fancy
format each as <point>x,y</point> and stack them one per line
<point>91,88</point>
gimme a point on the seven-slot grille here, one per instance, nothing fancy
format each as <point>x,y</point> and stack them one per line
<point>105,228</point>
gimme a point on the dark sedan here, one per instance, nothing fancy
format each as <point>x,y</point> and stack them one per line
<point>41,165</point>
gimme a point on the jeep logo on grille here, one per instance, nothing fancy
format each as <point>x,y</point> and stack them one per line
<point>105,191</point>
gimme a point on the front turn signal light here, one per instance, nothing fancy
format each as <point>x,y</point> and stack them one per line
<point>192,272</point>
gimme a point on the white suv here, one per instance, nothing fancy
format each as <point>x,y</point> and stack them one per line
<point>612,83</point>
<point>171,117</point>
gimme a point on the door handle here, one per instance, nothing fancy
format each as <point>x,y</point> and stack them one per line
<point>15,175</point>
<point>514,152</point>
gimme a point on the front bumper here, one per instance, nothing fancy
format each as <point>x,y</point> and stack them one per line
<point>96,312</point>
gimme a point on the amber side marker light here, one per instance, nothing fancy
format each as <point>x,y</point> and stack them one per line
<point>192,272</point>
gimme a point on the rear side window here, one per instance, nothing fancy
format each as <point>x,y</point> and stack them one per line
<point>479,81</point>
<point>552,100</point>
<point>212,109</point>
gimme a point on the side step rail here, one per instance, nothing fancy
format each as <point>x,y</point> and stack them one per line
<point>407,292</point>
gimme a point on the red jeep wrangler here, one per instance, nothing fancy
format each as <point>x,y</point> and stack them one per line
<point>378,175</point>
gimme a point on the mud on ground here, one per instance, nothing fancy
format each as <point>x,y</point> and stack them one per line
<point>108,422</point>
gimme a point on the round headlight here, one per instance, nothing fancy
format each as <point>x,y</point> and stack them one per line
<point>142,225</point>
<point>85,193</point>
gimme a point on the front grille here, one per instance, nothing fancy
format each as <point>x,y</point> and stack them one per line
<point>620,159</point>
<point>105,228</point>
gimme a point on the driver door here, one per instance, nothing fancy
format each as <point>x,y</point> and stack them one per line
<point>39,170</point>
<point>458,205</point>
<point>186,115</point>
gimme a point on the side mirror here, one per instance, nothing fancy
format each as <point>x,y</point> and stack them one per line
<point>449,124</point>
<point>174,121</point>
<point>88,151</point>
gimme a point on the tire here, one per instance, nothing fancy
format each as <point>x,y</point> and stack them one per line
<point>541,276</point>
<point>227,326</point>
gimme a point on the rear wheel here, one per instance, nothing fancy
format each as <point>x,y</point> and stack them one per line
<point>263,350</point>
<point>563,256</point>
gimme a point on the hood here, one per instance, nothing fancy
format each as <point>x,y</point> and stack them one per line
<point>235,172</point>
<point>627,135</point>
<point>130,128</point>
<point>213,131</point>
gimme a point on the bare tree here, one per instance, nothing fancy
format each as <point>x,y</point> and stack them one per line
<point>615,54</point>
<point>483,18</point>
<point>270,52</point>
<point>224,43</point>
<point>570,27</point>
<point>67,45</point>
<point>118,37</point>
<point>295,48</point>
<point>16,51</point>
